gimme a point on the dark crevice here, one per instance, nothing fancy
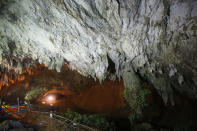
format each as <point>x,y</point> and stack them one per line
<point>111,65</point>
<point>12,46</point>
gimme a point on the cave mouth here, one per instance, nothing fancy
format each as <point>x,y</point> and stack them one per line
<point>48,90</point>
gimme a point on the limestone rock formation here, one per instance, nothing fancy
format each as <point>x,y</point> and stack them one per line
<point>156,40</point>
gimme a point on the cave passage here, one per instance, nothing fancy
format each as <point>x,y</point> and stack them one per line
<point>48,90</point>
<point>67,89</point>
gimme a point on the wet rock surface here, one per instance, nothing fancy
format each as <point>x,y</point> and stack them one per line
<point>138,41</point>
<point>154,36</point>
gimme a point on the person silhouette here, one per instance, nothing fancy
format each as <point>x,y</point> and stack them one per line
<point>0,103</point>
<point>51,114</point>
<point>3,106</point>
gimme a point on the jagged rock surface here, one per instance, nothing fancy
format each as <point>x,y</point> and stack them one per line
<point>156,37</point>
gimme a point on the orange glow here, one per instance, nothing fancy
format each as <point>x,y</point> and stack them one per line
<point>69,90</point>
<point>50,98</point>
<point>11,110</point>
<point>105,98</point>
<point>30,72</point>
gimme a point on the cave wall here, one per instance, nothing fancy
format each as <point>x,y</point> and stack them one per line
<point>152,41</point>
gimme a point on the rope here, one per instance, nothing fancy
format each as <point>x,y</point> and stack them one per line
<point>14,111</point>
<point>68,120</point>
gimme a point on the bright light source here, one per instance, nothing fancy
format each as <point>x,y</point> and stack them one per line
<point>43,102</point>
<point>50,98</point>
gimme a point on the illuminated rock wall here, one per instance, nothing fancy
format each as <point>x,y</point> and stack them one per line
<point>137,40</point>
<point>71,90</point>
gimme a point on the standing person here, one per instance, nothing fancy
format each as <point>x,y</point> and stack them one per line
<point>3,107</point>
<point>18,105</point>
<point>0,103</point>
<point>51,114</point>
<point>28,104</point>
